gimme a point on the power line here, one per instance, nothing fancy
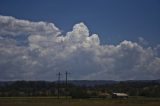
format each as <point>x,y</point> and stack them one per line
<point>66,73</point>
<point>59,78</point>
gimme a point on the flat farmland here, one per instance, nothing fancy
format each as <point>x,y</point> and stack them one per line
<point>52,101</point>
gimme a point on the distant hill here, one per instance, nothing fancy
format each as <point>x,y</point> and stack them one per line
<point>92,82</point>
<point>88,82</point>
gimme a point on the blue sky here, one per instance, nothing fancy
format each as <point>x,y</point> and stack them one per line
<point>91,39</point>
<point>113,20</point>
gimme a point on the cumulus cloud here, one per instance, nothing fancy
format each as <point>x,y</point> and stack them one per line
<point>14,27</point>
<point>47,52</point>
<point>142,42</point>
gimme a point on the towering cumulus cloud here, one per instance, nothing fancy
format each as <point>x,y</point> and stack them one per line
<point>38,50</point>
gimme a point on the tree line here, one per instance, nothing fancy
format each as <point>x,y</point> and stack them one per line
<point>45,88</point>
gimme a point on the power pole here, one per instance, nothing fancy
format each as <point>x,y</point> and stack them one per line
<point>59,78</point>
<point>66,73</point>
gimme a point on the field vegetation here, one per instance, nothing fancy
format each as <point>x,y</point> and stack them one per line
<point>53,101</point>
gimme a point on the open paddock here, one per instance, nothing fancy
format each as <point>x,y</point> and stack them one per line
<point>53,101</point>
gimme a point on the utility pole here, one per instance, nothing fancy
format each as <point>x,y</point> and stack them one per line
<point>59,78</point>
<point>66,73</point>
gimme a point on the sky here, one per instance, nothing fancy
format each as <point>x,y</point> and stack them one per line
<point>93,40</point>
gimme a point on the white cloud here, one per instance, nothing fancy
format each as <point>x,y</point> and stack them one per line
<point>15,27</point>
<point>142,42</point>
<point>47,52</point>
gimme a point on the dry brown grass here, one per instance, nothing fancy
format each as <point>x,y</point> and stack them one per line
<point>49,101</point>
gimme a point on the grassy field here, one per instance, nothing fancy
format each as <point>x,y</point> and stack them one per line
<point>51,101</point>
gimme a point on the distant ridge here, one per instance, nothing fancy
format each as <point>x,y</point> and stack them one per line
<point>92,82</point>
<point>87,82</point>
